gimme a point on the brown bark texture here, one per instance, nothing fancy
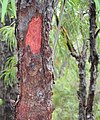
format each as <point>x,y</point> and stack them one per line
<point>82,88</point>
<point>34,60</point>
<point>93,61</point>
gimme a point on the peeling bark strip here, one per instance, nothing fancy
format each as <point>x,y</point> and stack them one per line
<point>34,60</point>
<point>93,60</point>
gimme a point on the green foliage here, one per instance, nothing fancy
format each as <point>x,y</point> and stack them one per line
<point>8,36</point>
<point>8,7</point>
<point>65,94</point>
<point>76,23</point>
<point>97,4</point>
<point>4,8</point>
<point>13,7</point>
<point>9,73</point>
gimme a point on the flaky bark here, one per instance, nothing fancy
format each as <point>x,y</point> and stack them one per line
<point>34,55</point>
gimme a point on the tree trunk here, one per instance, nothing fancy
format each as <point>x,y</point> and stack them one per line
<point>93,61</point>
<point>34,60</point>
<point>82,87</point>
<point>7,110</point>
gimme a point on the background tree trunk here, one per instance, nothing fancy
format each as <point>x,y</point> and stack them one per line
<point>7,110</point>
<point>34,55</point>
<point>93,60</point>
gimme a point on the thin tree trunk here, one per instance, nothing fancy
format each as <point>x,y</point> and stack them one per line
<point>93,61</point>
<point>81,59</point>
<point>34,55</point>
<point>82,88</point>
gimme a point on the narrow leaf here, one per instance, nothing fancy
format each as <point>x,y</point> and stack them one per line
<point>13,5</point>
<point>4,8</point>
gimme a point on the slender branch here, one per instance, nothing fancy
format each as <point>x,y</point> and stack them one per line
<point>96,34</point>
<point>57,20</point>
<point>59,25</point>
<point>71,46</point>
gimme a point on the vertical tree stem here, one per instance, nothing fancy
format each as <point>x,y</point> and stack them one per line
<point>93,61</point>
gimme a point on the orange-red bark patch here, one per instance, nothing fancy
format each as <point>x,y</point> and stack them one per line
<point>33,36</point>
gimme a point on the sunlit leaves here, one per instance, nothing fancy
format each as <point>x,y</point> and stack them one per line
<point>7,35</point>
<point>4,8</point>
<point>97,2</point>
<point>9,72</point>
<point>4,11</point>
<point>13,7</point>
